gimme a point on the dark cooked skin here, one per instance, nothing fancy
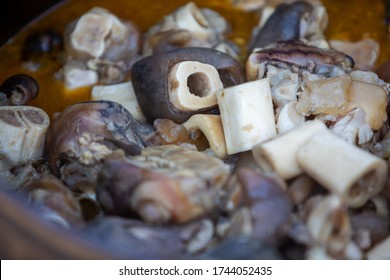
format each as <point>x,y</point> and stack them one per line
<point>303,56</point>
<point>270,206</point>
<point>150,80</point>
<point>282,25</point>
<point>20,89</point>
<point>104,122</point>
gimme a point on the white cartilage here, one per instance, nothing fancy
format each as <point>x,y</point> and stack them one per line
<point>280,153</point>
<point>121,93</point>
<point>211,127</point>
<point>344,169</point>
<point>247,115</point>
<point>381,251</point>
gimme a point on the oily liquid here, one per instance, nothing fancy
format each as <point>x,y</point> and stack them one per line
<point>348,20</point>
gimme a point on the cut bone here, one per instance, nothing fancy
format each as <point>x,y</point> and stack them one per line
<point>344,169</point>
<point>194,85</point>
<point>23,132</point>
<point>121,93</point>
<point>280,154</point>
<point>90,33</point>
<point>189,17</point>
<point>247,115</point>
<point>381,251</point>
<point>289,118</point>
<point>211,126</point>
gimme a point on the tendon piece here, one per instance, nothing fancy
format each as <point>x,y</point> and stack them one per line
<point>353,174</point>
<point>211,127</point>
<point>280,153</point>
<point>85,133</point>
<point>270,206</point>
<point>165,184</point>
<point>283,25</point>
<point>23,135</point>
<point>158,77</point>
<point>298,55</point>
<point>247,115</point>
<point>329,225</point>
<point>42,43</point>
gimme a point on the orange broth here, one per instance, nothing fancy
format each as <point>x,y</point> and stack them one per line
<point>348,20</point>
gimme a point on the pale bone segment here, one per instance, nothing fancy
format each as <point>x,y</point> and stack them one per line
<point>191,18</point>
<point>194,85</point>
<point>381,251</point>
<point>211,126</point>
<point>344,169</point>
<point>23,135</point>
<point>280,153</point>
<point>247,115</point>
<point>123,94</point>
